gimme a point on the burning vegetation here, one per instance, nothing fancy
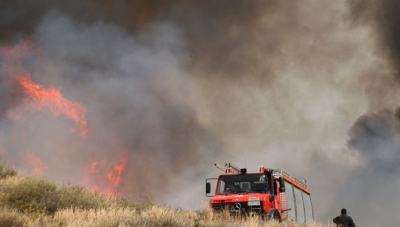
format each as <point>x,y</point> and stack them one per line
<point>104,178</point>
<point>99,175</point>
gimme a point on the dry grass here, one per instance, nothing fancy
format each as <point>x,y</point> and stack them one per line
<point>28,201</point>
<point>155,216</point>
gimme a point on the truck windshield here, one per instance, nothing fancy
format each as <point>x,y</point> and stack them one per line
<point>230,184</point>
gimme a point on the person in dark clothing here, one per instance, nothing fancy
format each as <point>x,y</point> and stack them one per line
<point>344,220</point>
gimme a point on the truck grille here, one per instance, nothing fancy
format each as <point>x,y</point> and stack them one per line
<point>238,207</point>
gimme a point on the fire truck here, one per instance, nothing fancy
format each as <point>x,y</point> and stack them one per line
<point>271,193</point>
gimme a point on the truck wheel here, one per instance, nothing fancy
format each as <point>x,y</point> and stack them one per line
<point>273,214</point>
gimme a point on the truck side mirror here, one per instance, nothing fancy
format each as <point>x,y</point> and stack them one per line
<point>268,172</point>
<point>208,188</point>
<point>281,184</point>
<point>271,197</point>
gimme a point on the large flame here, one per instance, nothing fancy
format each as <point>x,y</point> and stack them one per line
<point>104,178</point>
<point>52,98</point>
<point>36,95</point>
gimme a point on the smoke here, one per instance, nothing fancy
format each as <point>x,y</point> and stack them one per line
<point>178,85</point>
<point>372,186</point>
<point>384,17</point>
<point>376,136</point>
<point>132,89</point>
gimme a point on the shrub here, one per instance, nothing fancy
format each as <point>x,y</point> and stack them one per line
<point>37,195</point>
<point>28,194</point>
<point>78,197</point>
<point>6,172</point>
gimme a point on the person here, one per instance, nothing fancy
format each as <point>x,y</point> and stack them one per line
<point>231,188</point>
<point>343,220</point>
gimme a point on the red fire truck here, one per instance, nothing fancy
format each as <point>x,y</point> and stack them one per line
<point>271,193</point>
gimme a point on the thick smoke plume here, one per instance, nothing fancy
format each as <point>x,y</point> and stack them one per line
<point>174,86</point>
<point>384,16</point>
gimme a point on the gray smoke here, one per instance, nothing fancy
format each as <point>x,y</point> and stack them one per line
<point>376,137</point>
<point>384,16</point>
<point>375,184</point>
<point>178,85</point>
<point>134,90</point>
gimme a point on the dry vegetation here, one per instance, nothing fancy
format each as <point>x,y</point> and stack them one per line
<point>34,201</point>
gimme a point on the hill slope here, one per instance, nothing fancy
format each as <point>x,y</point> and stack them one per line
<point>34,201</point>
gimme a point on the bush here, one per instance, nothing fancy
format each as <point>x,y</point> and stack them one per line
<point>37,195</point>
<point>28,194</point>
<point>78,197</point>
<point>6,172</point>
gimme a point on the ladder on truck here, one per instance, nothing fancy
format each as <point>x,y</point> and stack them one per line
<point>228,168</point>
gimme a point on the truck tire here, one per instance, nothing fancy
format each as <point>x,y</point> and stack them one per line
<point>273,214</point>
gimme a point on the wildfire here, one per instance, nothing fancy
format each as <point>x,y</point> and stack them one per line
<point>107,177</point>
<point>38,96</point>
<point>99,175</point>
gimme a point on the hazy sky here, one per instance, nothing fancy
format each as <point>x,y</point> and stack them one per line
<point>175,86</point>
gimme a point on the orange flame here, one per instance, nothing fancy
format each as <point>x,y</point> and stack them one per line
<point>105,181</point>
<point>52,98</point>
<point>114,173</point>
<point>39,96</point>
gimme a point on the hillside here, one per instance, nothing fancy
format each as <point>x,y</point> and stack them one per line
<point>34,201</point>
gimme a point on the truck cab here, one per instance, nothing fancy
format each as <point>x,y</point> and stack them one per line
<point>261,192</point>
